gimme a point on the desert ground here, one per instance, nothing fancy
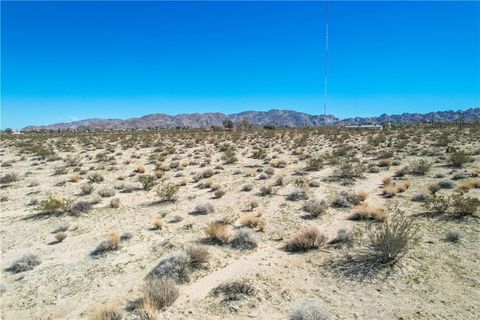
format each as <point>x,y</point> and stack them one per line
<point>313,223</point>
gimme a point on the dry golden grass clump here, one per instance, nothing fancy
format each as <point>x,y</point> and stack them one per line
<point>115,203</point>
<point>253,221</point>
<point>75,178</point>
<point>110,244</point>
<point>218,233</point>
<point>140,169</point>
<point>157,223</point>
<point>306,239</point>
<point>107,312</point>
<point>392,188</point>
<point>366,212</point>
<point>469,185</point>
<point>199,256</point>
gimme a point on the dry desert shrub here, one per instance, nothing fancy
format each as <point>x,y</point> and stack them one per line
<point>344,237</point>
<point>8,178</point>
<point>219,193</point>
<point>148,182</point>
<point>459,158</point>
<point>310,310</point>
<point>463,206</point>
<point>199,256</point>
<point>253,221</point>
<point>107,312</point>
<point>176,265</point>
<point>243,240</point>
<point>157,223</point>
<point>25,263</point>
<point>86,189</point>
<point>296,194</point>
<point>159,293</point>
<point>469,184</point>
<point>75,177</point>
<point>96,177</point>
<point>110,244</point>
<point>436,203</point>
<point>115,203</point>
<point>60,236</point>
<point>266,190</point>
<point>204,208</point>
<point>347,199</point>
<point>106,192</point>
<point>218,233</point>
<point>306,239</point>
<point>366,212</point>
<point>420,167</point>
<point>234,290</point>
<point>168,192</point>
<point>392,239</point>
<point>54,204</point>
<point>140,169</point>
<point>316,207</point>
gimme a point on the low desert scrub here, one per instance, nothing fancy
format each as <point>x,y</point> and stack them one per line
<point>252,205</point>
<point>219,193</point>
<point>140,169</point>
<point>234,290</point>
<point>243,240</point>
<point>436,203</point>
<point>297,194</point>
<point>316,207</point>
<point>167,192</point>
<point>148,182</point>
<point>178,265</point>
<point>420,167</point>
<point>106,192</point>
<point>253,221</point>
<point>463,206</point>
<point>348,199</point>
<point>391,240</point>
<point>60,236</point>
<point>459,158</point>
<point>365,212</point>
<point>310,310</point>
<point>344,237</point>
<point>199,256</point>
<point>110,244</point>
<point>115,203</point>
<point>96,177</point>
<point>80,207</point>
<point>315,163</point>
<point>306,239</point>
<point>86,189</point>
<point>157,223</point>
<point>62,227</point>
<point>75,177</point>
<point>204,208</point>
<point>453,236</point>
<point>218,233</point>
<point>247,187</point>
<point>54,204</point>
<point>469,185</point>
<point>175,265</point>
<point>107,312</point>
<point>25,263</point>
<point>229,156</point>
<point>159,293</point>
<point>391,189</point>
<point>266,191</point>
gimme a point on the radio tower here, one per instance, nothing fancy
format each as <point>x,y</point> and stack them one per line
<point>326,60</point>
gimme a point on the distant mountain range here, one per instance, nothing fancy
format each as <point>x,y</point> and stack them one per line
<point>279,118</point>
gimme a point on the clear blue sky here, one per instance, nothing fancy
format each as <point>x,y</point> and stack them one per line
<point>64,61</point>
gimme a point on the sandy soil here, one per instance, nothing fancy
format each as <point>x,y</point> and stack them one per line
<point>435,280</point>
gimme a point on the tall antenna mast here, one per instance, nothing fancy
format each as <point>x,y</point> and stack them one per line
<point>326,60</point>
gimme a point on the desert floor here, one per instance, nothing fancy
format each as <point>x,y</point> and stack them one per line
<point>436,279</point>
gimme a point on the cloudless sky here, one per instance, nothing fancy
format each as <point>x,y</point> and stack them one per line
<point>65,61</point>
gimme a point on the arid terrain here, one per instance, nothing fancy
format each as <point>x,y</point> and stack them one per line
<point>314,223</point>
